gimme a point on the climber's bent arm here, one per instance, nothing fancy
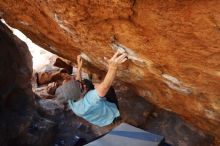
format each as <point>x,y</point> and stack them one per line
<point>79,68</point>
<point>78,75</point>
<point>104,86</point>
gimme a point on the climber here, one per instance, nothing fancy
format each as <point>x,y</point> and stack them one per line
<point>96,104</point>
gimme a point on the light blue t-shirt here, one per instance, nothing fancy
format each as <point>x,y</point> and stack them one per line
<point>97,110</point>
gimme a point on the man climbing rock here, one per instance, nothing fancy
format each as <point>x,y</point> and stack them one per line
<point>97,105</point>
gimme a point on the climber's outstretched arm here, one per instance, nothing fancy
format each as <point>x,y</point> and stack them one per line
<point>113,63</point>
<point>79,68</point>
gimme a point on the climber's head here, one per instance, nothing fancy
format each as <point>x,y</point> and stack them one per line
<point>87,85</point>
<point>69,90</point>
<point>73,89</point>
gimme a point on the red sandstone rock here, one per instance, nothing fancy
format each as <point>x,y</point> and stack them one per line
<point>47,77</point>
<point>173,46</point>
<point>62,64</point>
<point>42,92</point>
<point>51,88</point>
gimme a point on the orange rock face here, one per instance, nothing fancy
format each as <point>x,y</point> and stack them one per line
<point>173,46</point>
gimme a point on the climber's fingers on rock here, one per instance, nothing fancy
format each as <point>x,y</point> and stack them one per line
<point>106,60</point>
<point>79,61</point>
<point>124,60</point>
<point>117,59</point>
<point>115,55</point>
<point>120,58</point>
<point>78,58</point>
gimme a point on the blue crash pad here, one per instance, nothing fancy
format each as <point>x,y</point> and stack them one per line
<point>127,135</point>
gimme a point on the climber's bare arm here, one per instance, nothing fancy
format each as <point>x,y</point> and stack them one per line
<point>96,85</point>
<point>113,63</point>
<point>79,68</point>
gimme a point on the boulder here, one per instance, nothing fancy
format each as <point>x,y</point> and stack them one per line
<point>51,88</point>
<point>41,132</point>
<point>47,77</point>
<point>133,108</point>
<point>19,123</point>
<point>63,64</point>
<point>173,46</point>
<point>50,107</point>
<point>42,92</point>
<point>16,96</point>
<point>175,130</point>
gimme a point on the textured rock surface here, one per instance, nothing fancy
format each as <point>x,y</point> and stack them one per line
<point>41,132</point>
<point>16,96</point>
<point>19,123</point>
<point>173,46</point>
<point>176,131</point>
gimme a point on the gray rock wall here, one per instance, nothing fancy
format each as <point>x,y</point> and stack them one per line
<point>16,96</point>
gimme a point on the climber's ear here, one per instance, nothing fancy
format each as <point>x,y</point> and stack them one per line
<point>85,87</point>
